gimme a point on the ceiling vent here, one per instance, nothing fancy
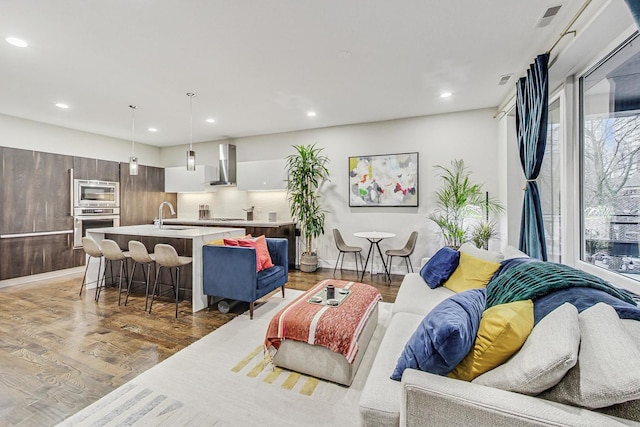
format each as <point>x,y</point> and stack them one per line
<point>548,16</point>
<point>504,79</point>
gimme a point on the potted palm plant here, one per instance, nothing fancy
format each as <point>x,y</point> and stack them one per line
<point>306,170</point>
<point>459,201</point>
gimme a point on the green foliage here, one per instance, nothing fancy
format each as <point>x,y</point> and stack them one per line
<point>306,170</point>
<point>458,200</point>
<point>482,232</point>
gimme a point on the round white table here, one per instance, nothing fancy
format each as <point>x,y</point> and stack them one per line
<point>374,238</point>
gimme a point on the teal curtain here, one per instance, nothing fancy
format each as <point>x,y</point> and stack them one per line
<point>532,111</point>
<point>634,7</point>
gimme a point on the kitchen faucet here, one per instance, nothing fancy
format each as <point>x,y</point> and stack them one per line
<point>173,212</point>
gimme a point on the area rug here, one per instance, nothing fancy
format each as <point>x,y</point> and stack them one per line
<point>222,379</point>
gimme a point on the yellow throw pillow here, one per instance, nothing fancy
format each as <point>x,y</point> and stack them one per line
<point>471,273</point>
<point>503,330</point>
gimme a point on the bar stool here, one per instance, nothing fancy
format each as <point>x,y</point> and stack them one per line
<point>166,256</point>
<point>113,253</point>
<point>140,255</point>
<point>92,250</point>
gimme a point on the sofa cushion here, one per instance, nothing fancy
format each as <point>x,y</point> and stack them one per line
<point>629,410</point>
<point>608,368</point>
<point>510,252</point>
<point>503,330</point>
<point>440,266</point>
<point>445,335</point>
<point>269,275</point>
<point>548,353</point>
<point>381,396</point>
<point>472,273</point>
<point>491,256</point>
<point>414,296</point>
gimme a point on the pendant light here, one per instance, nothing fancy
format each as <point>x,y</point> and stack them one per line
<point>133,160</point>
<point>191,155</point>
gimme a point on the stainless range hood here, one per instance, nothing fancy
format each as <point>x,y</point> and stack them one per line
<point>227,166</point>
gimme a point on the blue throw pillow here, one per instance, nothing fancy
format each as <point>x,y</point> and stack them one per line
<point>445,336</point>
<point>582,298</point>
<point>441,265</point>
<point>509,263</point>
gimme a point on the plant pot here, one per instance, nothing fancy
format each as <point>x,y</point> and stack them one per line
<point>308,263</point>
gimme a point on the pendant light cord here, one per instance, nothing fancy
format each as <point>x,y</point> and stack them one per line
<point>133,128</point>
<point>191,95</point>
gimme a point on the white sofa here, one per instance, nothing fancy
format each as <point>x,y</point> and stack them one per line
<point>424,399</point>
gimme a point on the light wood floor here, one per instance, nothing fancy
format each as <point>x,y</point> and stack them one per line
<point>59,352</point>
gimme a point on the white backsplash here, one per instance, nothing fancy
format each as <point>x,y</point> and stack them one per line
<point>229,202</point>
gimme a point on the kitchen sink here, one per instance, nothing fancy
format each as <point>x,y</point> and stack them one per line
<point>176,227</point>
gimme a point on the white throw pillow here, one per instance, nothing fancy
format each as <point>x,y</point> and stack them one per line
<point>491,256</point>
<point>608,368</point>
<point>548,353</point>
<point>511,252</point>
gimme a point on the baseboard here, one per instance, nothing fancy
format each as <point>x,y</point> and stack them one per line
<point>42,276</point>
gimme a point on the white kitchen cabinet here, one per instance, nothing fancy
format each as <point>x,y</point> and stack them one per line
<point>262,175</point>
<point>180,180</point>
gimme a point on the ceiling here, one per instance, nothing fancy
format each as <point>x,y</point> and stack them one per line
<point>258,66</point>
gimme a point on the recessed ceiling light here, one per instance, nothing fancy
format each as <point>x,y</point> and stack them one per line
<point>445,94</point>
<point>16,42</point>
<point>311,113</point>
<point>210,120</point>
<point>62,105</point>
<point>152,130</point>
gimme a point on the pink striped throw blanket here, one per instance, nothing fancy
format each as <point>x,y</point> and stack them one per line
<point>336,328</point>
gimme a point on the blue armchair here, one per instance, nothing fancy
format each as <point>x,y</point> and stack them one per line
<point>230,271</point>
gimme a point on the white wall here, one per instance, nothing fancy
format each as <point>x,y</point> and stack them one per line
<point>31,135</point>
<point>470,135</point>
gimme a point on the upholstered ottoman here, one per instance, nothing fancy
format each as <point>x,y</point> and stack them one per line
<point>326,341</point>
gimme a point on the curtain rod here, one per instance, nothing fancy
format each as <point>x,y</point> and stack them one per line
<point>569,25</point>
<point>564,33</point>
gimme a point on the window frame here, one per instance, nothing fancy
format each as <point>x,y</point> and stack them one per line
<point>577,236</point>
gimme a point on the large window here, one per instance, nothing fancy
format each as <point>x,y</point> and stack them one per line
<point>549,183</point>
<point>610,170</point>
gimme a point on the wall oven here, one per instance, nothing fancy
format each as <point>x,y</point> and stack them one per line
<point>95,194</point>
<point>96,204</point>
<point>87,218</point>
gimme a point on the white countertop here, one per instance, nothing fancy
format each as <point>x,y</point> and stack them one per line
<point>185,232</point>
<point>236,223</point>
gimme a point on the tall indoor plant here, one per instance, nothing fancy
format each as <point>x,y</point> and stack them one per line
<point>458,201</point>
<point>306,170</point>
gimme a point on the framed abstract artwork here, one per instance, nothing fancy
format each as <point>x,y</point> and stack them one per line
<point>384,180</point>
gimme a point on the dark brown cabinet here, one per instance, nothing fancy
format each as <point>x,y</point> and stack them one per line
<point>101,170</point>
<point>36,217</point>
<point>24,256</point>
<point>141,195</point>
<point>36,202</point>
<point>35,192</point>
<point>283,231</point>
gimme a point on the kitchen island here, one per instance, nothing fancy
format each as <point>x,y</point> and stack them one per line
<point>188,241</point>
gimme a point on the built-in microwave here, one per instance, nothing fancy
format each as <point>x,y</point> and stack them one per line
<point>99,194</point>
